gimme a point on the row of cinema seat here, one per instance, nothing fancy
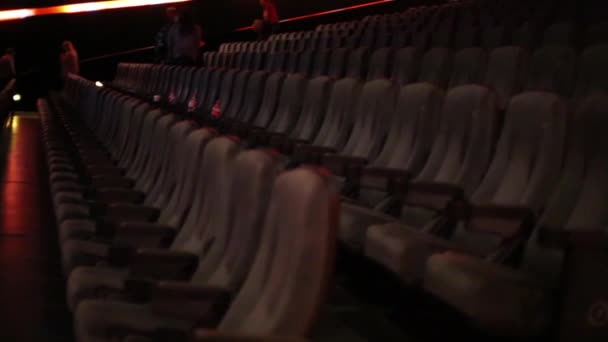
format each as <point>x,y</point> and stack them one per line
<point>186,232</point>
<point>488,198</point>
<point>426,28</point>
<point>425,171</point>
<point>507,70</point>
<point>443,164</point>
<point>5,100</point>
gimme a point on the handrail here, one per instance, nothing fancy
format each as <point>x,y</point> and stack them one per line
<point>298,18</point>
<point>115,54</point>
<point>320,14</point>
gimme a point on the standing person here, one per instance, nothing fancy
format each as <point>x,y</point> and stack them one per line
<point>161,49</point>
<point>7,67</point>
<point>184,40</point>
<point>69,60</point>
<point>270,22</point>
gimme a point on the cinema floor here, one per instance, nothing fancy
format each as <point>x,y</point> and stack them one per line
<point>32,304</point>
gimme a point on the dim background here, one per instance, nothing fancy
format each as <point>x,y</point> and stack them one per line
<point>38,39</point>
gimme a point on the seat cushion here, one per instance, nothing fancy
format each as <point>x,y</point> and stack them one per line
<point>94,283</point>
<point>403,250</point>
<point>76,229</point>
<point>354,222</point>
<point>68,197</point>
<point>63,176</point>
<point>99,320</point>
<point>61,167</point>
<point>76,253</point>
<point>67,211</point>
<point>66,186</point>
<point>499,299</point>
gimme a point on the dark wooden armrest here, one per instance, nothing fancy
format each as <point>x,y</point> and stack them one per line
<point>436,188</point>
<point>118,195</point>
<point>204,335</point>
<point>110,181</point>
<point>139,289</point>
<point>502,211</point>
<point>120,255</point>
<point>163,264</point>
<point>129,212</point>
<point>105,229</point>
<point>142,234</point>
<point>434,196</point>
<point>552,237</point>
<point>509,222</point>
<point>202,304</point>
<point>388,179</point>
<point>588,238</point>
<point>311,153</point>
<point>104,170</point>
<point>386,173</point>
<point>340,165</point>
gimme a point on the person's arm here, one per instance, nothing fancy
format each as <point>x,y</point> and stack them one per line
<point>12,65</point>
<point>196,43</point>
<point>76,64</point>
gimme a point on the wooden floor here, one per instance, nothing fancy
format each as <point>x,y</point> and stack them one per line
<point>32,302</point>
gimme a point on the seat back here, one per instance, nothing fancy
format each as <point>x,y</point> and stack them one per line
<point>189,161</point>
<point>529,153</point>
<point>373,113</point>
<point>314,107</point>
<point>339,118</point>
<point>357,64</point>
<point>290,104</point>
<point>207,209</point>
<point>436,66</point>
<point>272,92</point>
<point>593,72</point>
<point>232,108</point>
<point>234,246</point>
<point>552,69</point>
<point>469,67</point>
<point>158,148</point>
<point>138,166</point>
<point>579,200</point>
<point>560,34</point>
<point>506,69</point>
<point>465,140</point>
<point>294,261</point>
<point>223,96</point>
<point>167,179</point>
<point>412,129</point>
<point>380,64</point>
<point>336,66</point>
<point>524,171</point>
<point>254,93</point>
<point>406,65</point>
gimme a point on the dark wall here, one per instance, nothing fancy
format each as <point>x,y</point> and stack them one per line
<point>103,32</point>
<point>38,39</point>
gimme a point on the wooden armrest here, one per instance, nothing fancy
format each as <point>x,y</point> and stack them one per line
<point>204,335</point>
<point>118,195</point>
<point>163,264</point>
<point>509,222</point>
<point>434,196</point>
<point>340,165</point>
<point>203,304</point>
<point>129,212</point>
<point>142,234</point>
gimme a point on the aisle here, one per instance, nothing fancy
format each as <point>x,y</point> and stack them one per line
<point>31,286</point>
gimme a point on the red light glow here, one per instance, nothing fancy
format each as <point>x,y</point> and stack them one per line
<point>80,8</point>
